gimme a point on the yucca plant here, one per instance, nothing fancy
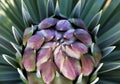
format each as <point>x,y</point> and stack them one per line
<point>60,42</point>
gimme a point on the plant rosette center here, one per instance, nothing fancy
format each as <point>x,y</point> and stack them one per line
<point>60,46</point>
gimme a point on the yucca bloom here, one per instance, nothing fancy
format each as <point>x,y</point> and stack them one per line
<point>61,46</point>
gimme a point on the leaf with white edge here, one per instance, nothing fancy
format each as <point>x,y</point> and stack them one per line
<point>79,80</point>
<point>11,61</point>
<point>95,81</point>
<point>114,56</point>
<point>17,35</point>
<point>57,9</point>
<point>110,37</point>
<point>41,8</point>
<point>96,53</point>
<point>17,48</point>
<point>77,10</point>
<point>50,8</point>
<point>109,66</point>
<point>95,73</point>
<point>94,20</point>
<point>95,30</point>
<point>26,15</point>
<point>108,50</point>
<point>22,75</point>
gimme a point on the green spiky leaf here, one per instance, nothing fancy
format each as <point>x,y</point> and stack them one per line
<point>108,50</point>
<point>94,20</point>
<point>10,60</point>
<point>77,10</point>
<point>17,35</point>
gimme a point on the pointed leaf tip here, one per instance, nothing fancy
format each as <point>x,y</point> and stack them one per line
<point>94,21</point>
<point>17,35</point>
<point>50,8</point>
<point>25,13</point>
<point>11,61</point>
<point>77,10</point>
<point>57,9</point>
<point>17,48</point>
<point>95,30</point>
<point>108,50</point>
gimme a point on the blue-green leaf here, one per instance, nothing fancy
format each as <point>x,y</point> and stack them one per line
<point>50,8</point>
<point>26,15</point>
<point>10,60</point>
<point>94,20</point>
<point>22,75</point>
<point>17,48</point>
<point>17,35</point>
<point>108,50</point>
<point>109,66</point>
<point>95,30</point>
<point>65,6</point>
<point>110,37</point>
<point>77,10</point>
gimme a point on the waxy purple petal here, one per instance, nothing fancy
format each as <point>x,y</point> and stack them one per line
<point>68,70</point>
<point>76,65</point>
<point>43,56</point>
<point>51,45</point>
<point>69,34</point>
<point>87,65</point>
<point>83,36</point>
<point>35,41</point>
<point>58,35</point>
<point>48,72</point>
<point>59,57</point>
<point>27,35</point>
<point>71,52</point>
<point>29,59</point>
<point>63,25</point>
<point>47,23</point>
<point>48,34</point>
<point>79,47</point>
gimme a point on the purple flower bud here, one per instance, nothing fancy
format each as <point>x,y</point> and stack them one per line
<point>51,45</point>
<point>59,57</point>
<point>43,56</point>
<point>48,34</point>
<point>35,41</point>
<point>79,47</point>
<point>83,36</point>
<point>68,70</point>
<point>58,35</point>
<point>48,71</point>
<point>69,34</point>
<point>27,35</point>
<point>76,65</point>
<point>63,25</point>
<point>48,22</point>
<point>72,52</point>
<point>29,59</point>
<point>87,65</point>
